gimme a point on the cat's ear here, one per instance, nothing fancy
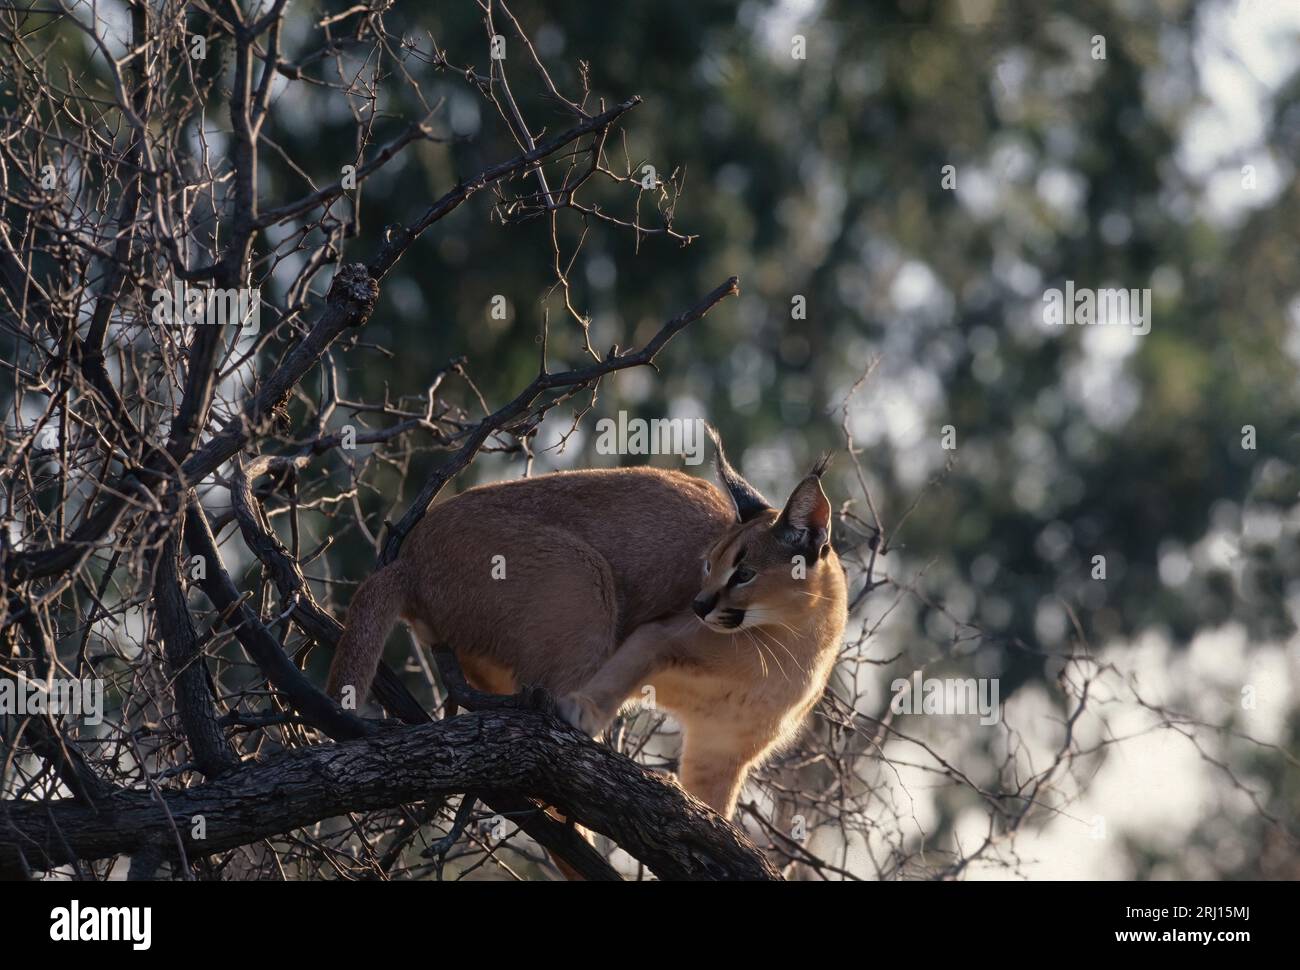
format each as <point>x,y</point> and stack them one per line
<point>745,499</point>
<point>805,522</point>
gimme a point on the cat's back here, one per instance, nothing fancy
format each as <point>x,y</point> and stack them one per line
<point>621,497</point>
<point>651,525</point>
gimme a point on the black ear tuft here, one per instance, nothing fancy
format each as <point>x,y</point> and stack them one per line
<point>822,463</point>
<point>744,497</point>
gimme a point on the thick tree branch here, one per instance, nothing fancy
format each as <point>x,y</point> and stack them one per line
<point>194,701</point>
<point>675,835</point>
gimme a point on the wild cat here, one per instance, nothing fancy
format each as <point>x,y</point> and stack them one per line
<point>613,580</point>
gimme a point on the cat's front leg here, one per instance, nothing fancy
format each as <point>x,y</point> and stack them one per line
<point>591,707</point>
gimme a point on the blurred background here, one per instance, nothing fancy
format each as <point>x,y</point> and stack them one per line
<point>916,182</point>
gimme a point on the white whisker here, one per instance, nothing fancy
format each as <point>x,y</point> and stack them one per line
<point>787,653</point>
<point>808,592</point>
<point>771,652</point>
<point>762,658</point>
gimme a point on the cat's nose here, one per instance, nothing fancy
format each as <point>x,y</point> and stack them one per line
<point>703,605</point>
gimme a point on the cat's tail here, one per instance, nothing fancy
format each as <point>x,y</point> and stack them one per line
<point>376,607</point>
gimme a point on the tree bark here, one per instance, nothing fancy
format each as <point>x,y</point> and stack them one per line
<point>512,750</point>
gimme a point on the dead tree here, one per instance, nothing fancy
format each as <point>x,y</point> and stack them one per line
<point>152,430</point>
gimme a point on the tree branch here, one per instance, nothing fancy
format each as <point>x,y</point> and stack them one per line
<point>675,835</point>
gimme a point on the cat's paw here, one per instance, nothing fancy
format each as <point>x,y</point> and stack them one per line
<point>580,712</point>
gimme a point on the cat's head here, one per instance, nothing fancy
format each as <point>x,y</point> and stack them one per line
<point>770,567</point>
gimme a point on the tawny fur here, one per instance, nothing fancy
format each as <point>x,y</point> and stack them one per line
<point>601,571</point>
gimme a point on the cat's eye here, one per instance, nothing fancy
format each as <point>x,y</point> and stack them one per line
<point>742,576</point>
